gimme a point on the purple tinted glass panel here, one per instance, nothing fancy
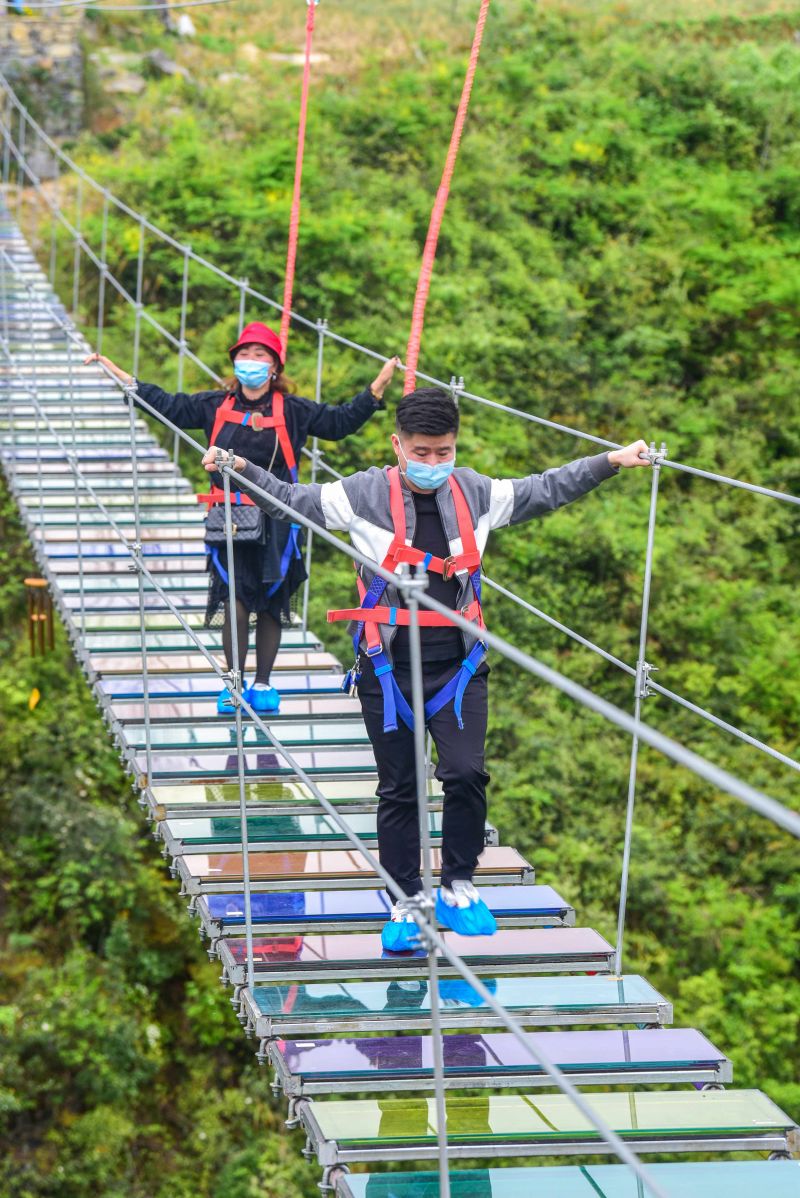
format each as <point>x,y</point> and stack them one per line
<point>498,1051</point>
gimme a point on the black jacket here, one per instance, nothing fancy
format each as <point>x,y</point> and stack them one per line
<point>304,419</point>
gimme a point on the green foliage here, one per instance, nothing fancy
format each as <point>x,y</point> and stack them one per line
<point>123,1069</point>
<point>620,254</point>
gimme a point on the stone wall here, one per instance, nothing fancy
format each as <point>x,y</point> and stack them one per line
<point>42,59</point>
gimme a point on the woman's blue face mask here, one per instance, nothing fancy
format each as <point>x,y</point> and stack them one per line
<point>429,478</point>
<point>252,372</point>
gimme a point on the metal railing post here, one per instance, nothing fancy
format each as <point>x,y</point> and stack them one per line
<point>243,285</point>
<point>412,586</point>
<point>235,686</point>
<point>641,691</point>
<point>4,292</point>
<point>54,208</point>
<point>137,320</point>
<point>78,512</point>
<point>20,165</point>
<point>10,389</point>
<point>137,565</point>
<point>6,152</point>
<point>321,327</point>
<point>182,336</point>
<point>101,291</point>
<point>35,377</point>
<point>76,264</point>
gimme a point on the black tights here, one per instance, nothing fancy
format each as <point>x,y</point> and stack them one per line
<point>268,640</point>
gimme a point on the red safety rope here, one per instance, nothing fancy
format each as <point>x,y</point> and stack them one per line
<point>294,219</point>
<point>429,253</point>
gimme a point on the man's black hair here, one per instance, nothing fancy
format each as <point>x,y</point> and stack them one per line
<point>429,410</point>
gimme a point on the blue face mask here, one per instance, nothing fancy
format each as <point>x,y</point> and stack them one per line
<point>250,373</point>
<point>428,478</point>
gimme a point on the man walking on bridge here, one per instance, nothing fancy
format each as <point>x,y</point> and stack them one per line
<point>425,509</point>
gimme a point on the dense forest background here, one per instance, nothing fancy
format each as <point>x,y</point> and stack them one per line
<point>621,254</point>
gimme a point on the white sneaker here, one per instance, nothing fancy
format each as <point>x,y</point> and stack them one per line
<point>401,914</point>
<point>461,894</point>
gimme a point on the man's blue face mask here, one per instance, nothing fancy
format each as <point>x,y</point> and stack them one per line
<point>252,373</point>
<point>429,478</point>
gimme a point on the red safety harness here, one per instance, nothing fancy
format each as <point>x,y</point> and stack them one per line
<point>257,420</point>
<point>369,615</point>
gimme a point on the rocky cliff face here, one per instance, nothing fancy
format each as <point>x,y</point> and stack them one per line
<point>42,59</point>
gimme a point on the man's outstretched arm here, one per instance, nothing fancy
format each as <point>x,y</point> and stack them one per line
<point>306,498</point>
<point>515,500</point>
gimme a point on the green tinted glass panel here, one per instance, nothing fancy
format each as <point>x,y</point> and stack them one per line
<point>514,1117</point>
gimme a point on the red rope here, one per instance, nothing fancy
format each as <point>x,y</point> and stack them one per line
<point>294,219</point>
<point>429,253</point>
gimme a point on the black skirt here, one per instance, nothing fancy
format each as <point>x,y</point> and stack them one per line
<point>257,569</point>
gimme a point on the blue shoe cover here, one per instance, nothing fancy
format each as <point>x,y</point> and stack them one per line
<point>400,936</point>
<point>264,702</point>
<point>225,701</point>
<point>474,920</point>
<point>456,991</point>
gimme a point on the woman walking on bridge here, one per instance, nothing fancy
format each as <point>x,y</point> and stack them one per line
<point>256,415</point>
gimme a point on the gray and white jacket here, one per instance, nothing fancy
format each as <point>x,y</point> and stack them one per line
<point>359,505</point>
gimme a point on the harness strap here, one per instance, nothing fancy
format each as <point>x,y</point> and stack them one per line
<point>400,617</point>
<point>456,687</point>
<point>370,616</point>
<point>291,549</point>
<point>394,701</point>
<point>217,495</point>
<point>226,414</point>
<point>218,566</point>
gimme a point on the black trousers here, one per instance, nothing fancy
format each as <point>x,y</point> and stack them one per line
<point>460,770</point>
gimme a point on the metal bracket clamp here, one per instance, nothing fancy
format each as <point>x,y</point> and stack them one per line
<point>657,457</point>
<point>422,904</point>
<point>134,565</point>
<point>643,671</point>
<point>456,387</point>
<point>407,582</point>
<point>233,679</point>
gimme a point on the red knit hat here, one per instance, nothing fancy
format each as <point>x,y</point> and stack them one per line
<point>257,333</point>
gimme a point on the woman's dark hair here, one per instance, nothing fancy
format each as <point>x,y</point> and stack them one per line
<point>429,410</point>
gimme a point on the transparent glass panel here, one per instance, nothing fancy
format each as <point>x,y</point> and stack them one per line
<point>279,827</point>
<point>724,1179</point>
<point>222,734</point>
<point>559,994</point>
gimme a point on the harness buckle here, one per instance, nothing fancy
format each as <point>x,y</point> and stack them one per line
<point>448,568</point>
<point>375,650</point>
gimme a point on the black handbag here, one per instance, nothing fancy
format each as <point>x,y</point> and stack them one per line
<point>247,522</point>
